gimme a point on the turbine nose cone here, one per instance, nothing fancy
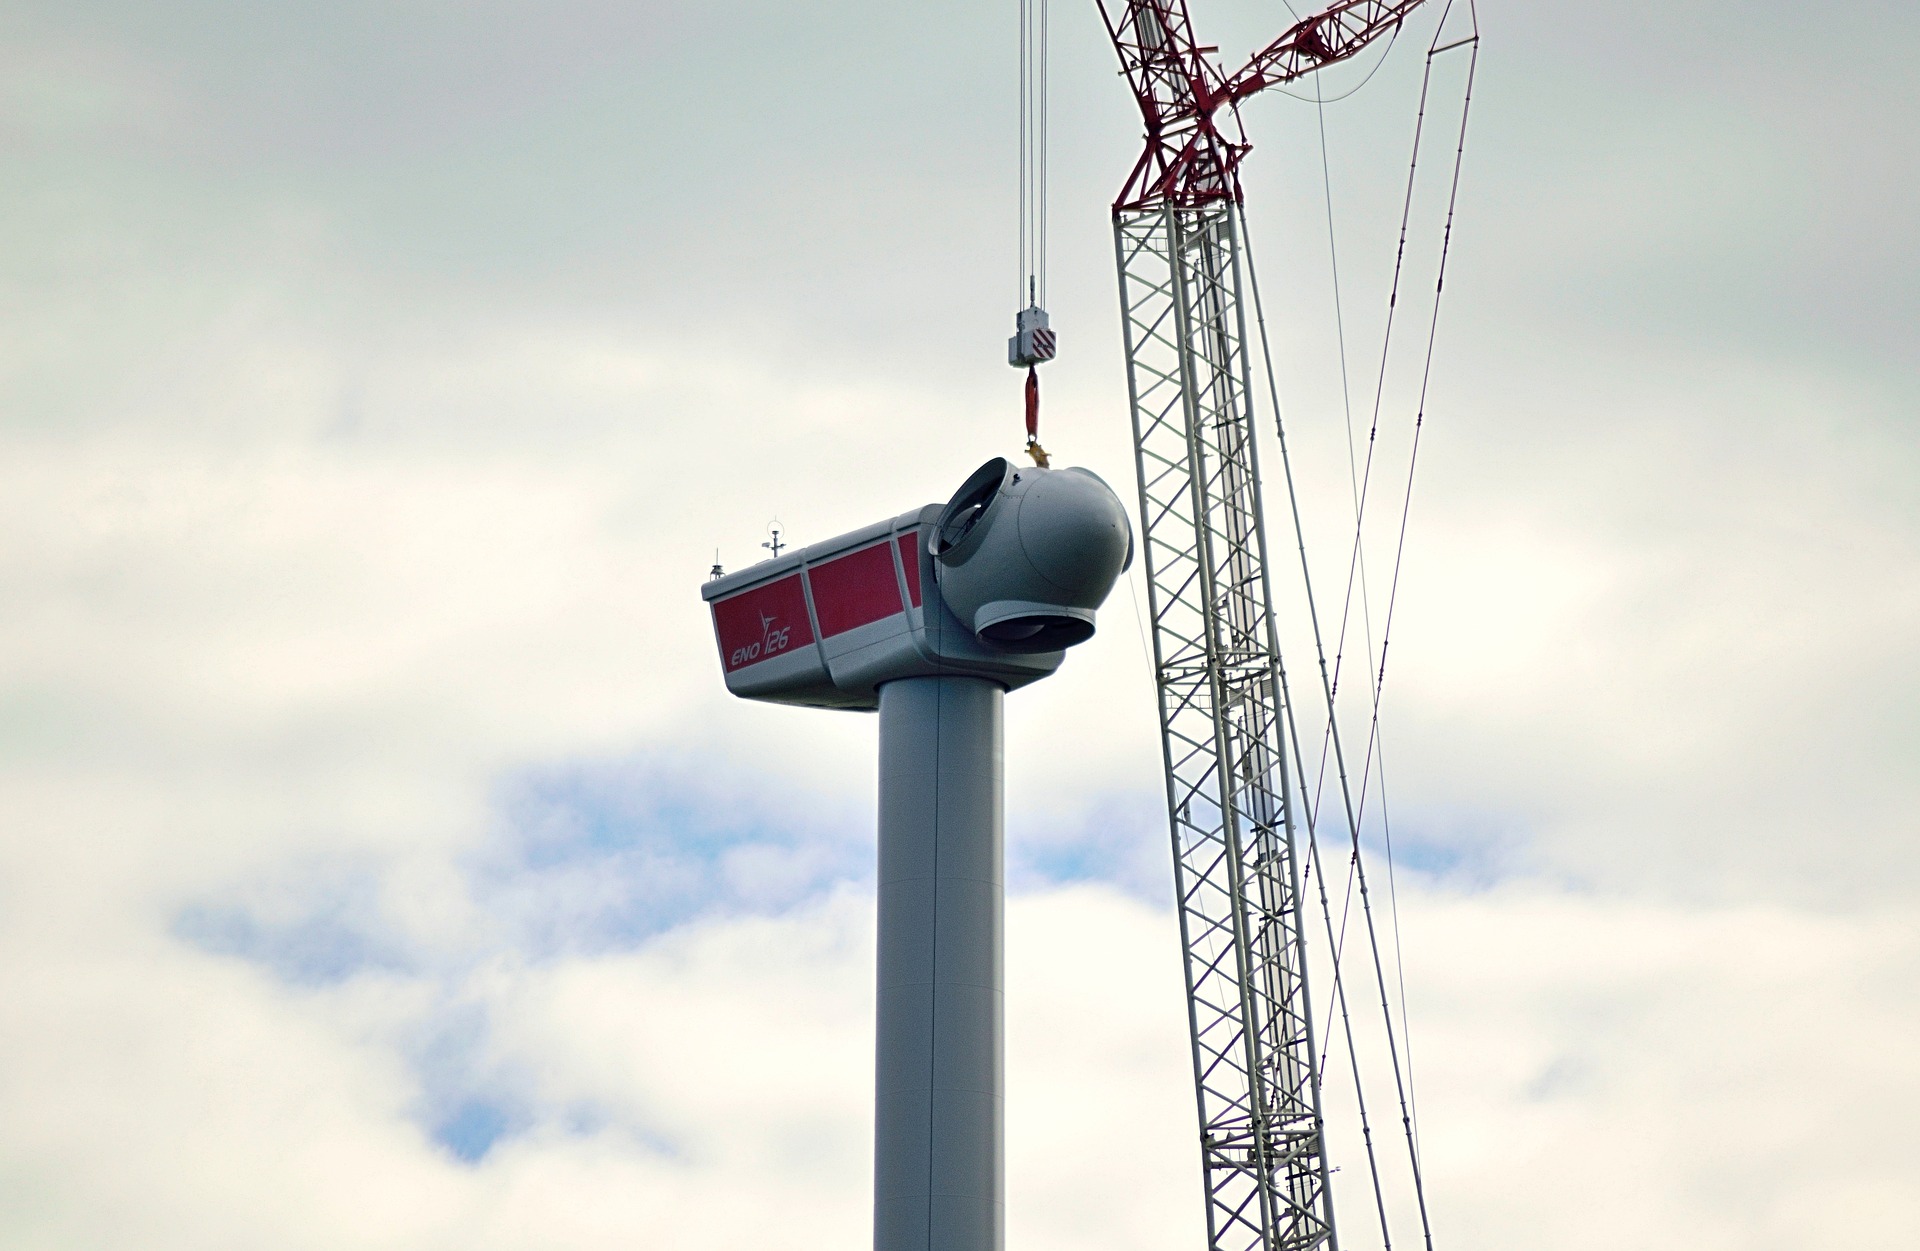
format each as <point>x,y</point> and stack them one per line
<point>1025,557</point>
<point>1075,533</point>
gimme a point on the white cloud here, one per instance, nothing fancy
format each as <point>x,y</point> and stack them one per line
<point>369,416</point>
<point>1589,1070</point>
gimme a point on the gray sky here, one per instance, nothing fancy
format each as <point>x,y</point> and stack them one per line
<point>385,866</point>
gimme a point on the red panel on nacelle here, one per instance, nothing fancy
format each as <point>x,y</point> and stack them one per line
<point>855,590</point>
<point>764,622</point>
<point>827,625</point>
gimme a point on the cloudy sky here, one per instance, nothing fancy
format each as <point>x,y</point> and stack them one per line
<point>383,864</point>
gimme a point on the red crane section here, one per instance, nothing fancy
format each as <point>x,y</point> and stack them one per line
<point>1187,161</point>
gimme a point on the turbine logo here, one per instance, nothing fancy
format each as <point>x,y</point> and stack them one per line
<point>762,622</point>
<point>771,641</point>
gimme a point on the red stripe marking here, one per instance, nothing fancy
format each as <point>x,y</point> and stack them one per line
<point>910,559</point>
<point>766,621</point>
<point>855,589</point>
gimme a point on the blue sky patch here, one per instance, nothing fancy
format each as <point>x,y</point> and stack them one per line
<point>320,932</point>
<point>602,856</point>
<point>472,1128</point>
<point>1119,840</point>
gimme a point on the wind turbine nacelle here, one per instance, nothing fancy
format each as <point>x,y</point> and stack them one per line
<point>1027,557</point>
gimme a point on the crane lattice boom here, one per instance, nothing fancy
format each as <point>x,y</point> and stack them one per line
<point>1180,89</point>
<point>1222,687</point>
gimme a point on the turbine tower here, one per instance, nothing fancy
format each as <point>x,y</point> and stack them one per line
<point>930,618</point>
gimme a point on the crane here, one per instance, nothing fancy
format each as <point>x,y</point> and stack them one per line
<point>1222,691</point>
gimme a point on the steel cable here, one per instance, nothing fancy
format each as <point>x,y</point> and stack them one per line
<point>1334,945</point>
<point>1375,749</point>
<point>1035,36</point>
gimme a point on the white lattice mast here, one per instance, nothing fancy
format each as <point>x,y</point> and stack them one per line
<point>1222,688</point>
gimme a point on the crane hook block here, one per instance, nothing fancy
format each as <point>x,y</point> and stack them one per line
<point>1033,341</point>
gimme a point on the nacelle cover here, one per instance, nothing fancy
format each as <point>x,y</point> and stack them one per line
<point>1025,556</point>
<point>823,626</point>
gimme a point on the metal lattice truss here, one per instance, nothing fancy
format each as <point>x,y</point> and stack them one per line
<point>1181,90</point>
<point>1218,672</point>
<point>1185,159</point>
<point>1331,35</point>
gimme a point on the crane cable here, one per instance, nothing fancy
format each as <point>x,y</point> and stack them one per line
<point>1335,945</point>
<point>1033,340</point>
<point>1375,747</point>
<point>1329,683</point>
<point>1032,276</point>
<point>1404,1086</point>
